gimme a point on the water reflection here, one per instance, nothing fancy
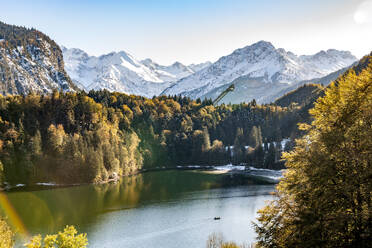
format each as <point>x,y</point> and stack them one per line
<point>48,211</point>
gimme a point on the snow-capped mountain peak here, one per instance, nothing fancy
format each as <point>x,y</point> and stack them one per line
<point>120,71</point>
<point>262,61</point>
<point>115,71</point>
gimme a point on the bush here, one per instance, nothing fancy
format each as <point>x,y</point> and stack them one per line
<point>6,235</point>
<point>65,239</point>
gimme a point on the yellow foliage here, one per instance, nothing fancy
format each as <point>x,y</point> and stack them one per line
<point>113,99</point>
<point>127,111</point>
<point>216,240</point>
<point>66,239</point>
<point>6,235</point>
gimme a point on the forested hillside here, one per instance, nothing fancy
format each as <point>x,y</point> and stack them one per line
<point>79,137</point>
<point>301,96</point>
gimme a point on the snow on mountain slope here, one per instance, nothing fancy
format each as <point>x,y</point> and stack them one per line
<point>30,62</point>
<point>264,62</point>
<point>114,71</point>
<point>326,80</point>
<point>169,73</point>
<point>198,67</point>
<point>120,71</point>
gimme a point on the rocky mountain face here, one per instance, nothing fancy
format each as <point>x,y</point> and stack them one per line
<point>30,62</point>
<point>120,71</point>
<point>259,71</point>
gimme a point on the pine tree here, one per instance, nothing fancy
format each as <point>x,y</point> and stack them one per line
<point>255,137</point>
<point>206,140</point>
<point>239,146</point>
<point>270,156</point>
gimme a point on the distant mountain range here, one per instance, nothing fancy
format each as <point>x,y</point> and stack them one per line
<point>31,61</point>
<point>120,71</point>
<point>260,71</point>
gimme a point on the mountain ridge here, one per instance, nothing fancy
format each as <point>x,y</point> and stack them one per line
<point>262,61</point>
<point>120,71</point>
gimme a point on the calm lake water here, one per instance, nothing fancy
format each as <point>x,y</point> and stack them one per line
<point>166,209</point>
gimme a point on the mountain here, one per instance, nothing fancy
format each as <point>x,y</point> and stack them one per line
<point>114,71</point>
<point>169,73</point>
<point>259,70</point>
<point>30,61</point>
<point>306,95</point>
<point>247,88</point>
<point>120,71</point>
<point>324,81</point>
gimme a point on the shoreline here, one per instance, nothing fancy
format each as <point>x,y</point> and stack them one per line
<point>210,169</point>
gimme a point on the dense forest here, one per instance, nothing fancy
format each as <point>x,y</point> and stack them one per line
<point>95,136</point>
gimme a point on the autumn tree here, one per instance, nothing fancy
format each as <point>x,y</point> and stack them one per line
<point>325,197</point>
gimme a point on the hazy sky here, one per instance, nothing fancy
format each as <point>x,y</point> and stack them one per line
<point>193,31</point>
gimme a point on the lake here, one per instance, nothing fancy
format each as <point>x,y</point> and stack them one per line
<point>154,209</point>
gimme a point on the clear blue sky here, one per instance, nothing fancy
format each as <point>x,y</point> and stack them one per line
<point>196,30</point>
